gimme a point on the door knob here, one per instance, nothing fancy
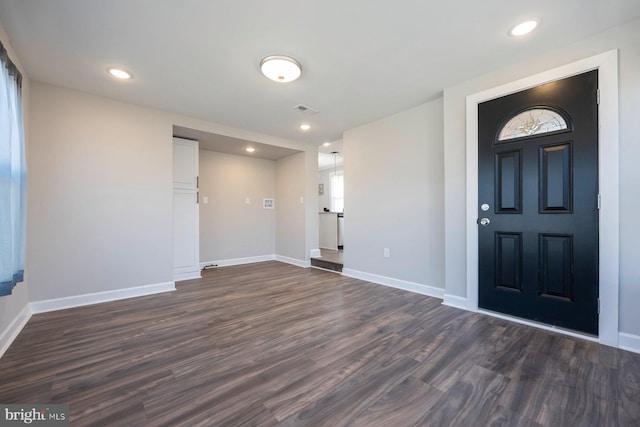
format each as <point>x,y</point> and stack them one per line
<point>484,222</point>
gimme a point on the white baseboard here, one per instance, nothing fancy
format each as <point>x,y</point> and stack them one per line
<point>455,301</point>
<point>315,253</point>
<point>12,331</point>
<point>239,261</point>
<point>629,342</point>
<point>418,288</point>
<point>293,261</point>
<point>187,275</point>
<point>99,297</point>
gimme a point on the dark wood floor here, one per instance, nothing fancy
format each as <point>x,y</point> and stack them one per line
<point>272,344</point>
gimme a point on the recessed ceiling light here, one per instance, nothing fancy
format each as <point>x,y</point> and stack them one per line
<point>250,149</point>
<point>524,28</point>
<point>326,144</point>
<point>305,126</point>
<point>282,69</point>
<point>119,74</point>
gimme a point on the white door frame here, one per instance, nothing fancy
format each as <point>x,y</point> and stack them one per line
<point>607,66</point>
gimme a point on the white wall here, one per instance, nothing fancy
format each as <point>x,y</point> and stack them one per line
<point>324,178</point>
<point>625,38</point>
<point>229,227</point>
<point>394,196</point>
<point>290,212</point>
<point>12,305</point>
<point>100,198</point>
<point>100,211</point>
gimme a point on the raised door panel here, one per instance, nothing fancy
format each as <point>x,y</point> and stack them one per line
<point>508,256</point>
<point>185,163</point>
<point>556,266</point>
<point>556,187</point>
<point>508,183</point>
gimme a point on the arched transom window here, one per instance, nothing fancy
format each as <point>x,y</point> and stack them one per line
<point>534,121</point>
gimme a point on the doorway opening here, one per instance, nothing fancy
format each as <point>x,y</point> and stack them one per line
<point>331,207</point>
<point>608,254</point>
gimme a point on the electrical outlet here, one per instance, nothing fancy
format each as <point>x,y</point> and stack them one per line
<point>205,199</point>
<point>247,201</point>
<point>386,253</point>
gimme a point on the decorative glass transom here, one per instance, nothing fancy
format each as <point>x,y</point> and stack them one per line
<point>532,122</point>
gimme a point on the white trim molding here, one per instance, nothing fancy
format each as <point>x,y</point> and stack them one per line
<point>607,66</point>
<point>12,331</point>
<point>293,261</point>
<point>179,277</point>
<point>238,261</point>
<point>100,297</point>
<point>315,253</point>
<point>455,301</point>
<point>629,342</point>
<point>418,288</point>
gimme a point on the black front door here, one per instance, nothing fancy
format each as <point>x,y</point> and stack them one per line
<point>538,203</point>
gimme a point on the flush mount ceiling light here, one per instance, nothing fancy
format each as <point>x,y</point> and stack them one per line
<point>119,74</point>
<point>524,28</point>
<point>305,126</point>
<point>280,68</point>
<point>250,149</point>
<point>326,144</point>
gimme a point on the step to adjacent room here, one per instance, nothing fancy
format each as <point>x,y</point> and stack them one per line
<point>328,260</point>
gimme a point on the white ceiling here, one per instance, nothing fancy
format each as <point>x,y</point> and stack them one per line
<point>362,59</point>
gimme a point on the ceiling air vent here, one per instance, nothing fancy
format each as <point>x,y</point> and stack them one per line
<point>305,109</point>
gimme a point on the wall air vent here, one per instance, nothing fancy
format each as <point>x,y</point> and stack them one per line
<point>305,109</point>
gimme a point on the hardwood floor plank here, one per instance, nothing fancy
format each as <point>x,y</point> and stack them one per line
<point>272,344</point>
<point>348,399</point>
<point>404,405</point>
<point>472,400</point>
<point>295,396</point>
<point>213,403</point>
<point>251,415</point>
<point>125,412</point>
<point>629,408</point>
